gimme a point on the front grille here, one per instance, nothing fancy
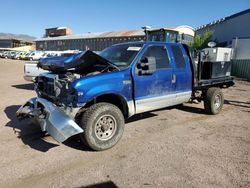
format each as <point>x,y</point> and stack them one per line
<point>46,86</point>
<point>54,87</point>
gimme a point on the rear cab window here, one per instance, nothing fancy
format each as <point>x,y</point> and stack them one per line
<point>179,59</point>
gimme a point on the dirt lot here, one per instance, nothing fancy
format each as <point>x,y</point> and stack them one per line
<point>173,147</point>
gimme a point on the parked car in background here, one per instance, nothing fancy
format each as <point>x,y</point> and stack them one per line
<point>31,70</point>
<point>68,53</point>
<point>25,56</point>
<point>7,54</point>
<point>18,55</point>
<point>11,54</point>
<point>4,54</point>
<point>51,54</point>
<point>59,53</point>
<point>14,55</point>
<point>35,55</point>
<point>1,54</point>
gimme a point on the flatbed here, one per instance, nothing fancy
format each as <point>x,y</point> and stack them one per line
<point>222,82</point>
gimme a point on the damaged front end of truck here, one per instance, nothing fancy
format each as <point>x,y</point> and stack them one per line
<point>50,118</point>
<point>56,105</point>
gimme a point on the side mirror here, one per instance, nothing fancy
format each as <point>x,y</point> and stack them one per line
<point>146,66</point>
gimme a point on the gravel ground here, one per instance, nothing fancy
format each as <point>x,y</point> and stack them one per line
<point>174,147</point>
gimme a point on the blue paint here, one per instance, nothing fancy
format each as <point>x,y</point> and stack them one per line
<point>105,83</point>
<point>127,84</point>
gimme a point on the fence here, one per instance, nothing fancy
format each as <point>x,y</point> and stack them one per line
<point>241,68</point>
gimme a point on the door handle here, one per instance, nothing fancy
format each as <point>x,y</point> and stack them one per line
<point>173,78</point>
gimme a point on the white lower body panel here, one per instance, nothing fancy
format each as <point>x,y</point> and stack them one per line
<point>149,104</point>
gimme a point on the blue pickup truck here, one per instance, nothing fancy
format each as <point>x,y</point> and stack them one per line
<point>91,95</point>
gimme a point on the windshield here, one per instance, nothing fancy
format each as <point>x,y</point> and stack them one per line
<point>121,55</point>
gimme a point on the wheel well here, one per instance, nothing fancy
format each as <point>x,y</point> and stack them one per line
<point>114,99</point>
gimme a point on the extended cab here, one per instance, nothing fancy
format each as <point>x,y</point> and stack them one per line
<point>91,95</point>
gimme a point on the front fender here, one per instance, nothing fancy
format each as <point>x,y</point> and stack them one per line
<point>118,82</point>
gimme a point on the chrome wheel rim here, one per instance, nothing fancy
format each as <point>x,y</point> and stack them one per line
<point>217,101</point>
<point>105,127</point>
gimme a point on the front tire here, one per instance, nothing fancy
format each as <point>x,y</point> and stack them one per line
<point>213,100</point>
<point>103,125</point>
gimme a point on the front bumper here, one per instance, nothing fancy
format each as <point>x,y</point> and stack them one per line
<point>50,118</point>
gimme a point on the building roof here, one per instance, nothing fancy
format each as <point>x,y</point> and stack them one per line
<point>96,35</point>
<point>238,14</point>
<point>181,29</point>
<point>19,37</point>
<point>63,27</point>
<point>224,19</point>
<point>15,39</point>
<point>129,33</point>
<point>185,29</point>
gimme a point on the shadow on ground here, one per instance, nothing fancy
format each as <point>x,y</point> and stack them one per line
<point>138,117</point>
<point>191,109</point>
<point>108,184</point>
<point>76,143</point>
<point>29,86</point>
<point>31,134</point>
<point>238,103</point>
<point>181,107</point>
<point>27,131</point>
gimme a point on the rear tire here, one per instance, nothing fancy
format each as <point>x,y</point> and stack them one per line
<point>213,100</point>
<point>103,126</point>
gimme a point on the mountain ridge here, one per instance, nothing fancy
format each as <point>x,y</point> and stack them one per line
<point>17,36</point>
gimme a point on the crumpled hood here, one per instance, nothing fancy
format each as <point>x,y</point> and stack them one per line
<point>77,62</point>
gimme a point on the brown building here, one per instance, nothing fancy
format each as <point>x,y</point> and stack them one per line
<point>92,41</point>
<point>58,31</point>
<point>13,43</point>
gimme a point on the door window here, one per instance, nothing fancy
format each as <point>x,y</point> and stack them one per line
<point>160,54</point>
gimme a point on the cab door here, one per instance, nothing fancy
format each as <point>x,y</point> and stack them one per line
<point>156,90</point>
<point>182,74</point>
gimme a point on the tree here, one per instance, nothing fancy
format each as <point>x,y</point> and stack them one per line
<point>200,42</point>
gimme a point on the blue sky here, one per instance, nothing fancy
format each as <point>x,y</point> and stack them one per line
<point>32,17</point>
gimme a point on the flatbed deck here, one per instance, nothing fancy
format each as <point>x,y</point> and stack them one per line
<point>214,82</point>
